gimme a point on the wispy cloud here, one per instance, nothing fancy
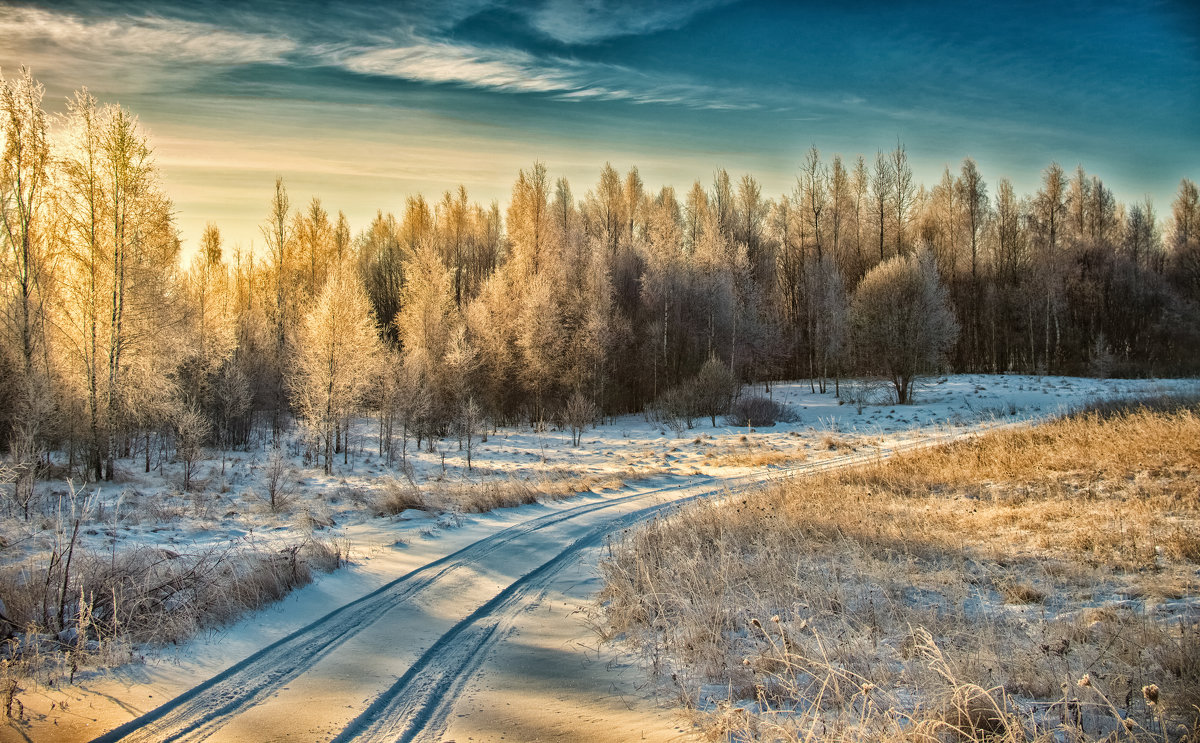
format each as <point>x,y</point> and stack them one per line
<point>405,45</point>
<point>592,21</point>
<point>515,70</point>
<point>154,37</point>
<point>440,62</point>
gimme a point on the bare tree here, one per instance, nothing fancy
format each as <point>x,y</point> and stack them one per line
<point>973,204</point>
<point>1184,259</point>
<point>902,199</point>
<point>830,321</point>
<point>839,206</point>
<point>883,180</point>
<point>122,309</point>
<point>470,419</point>
<point>231,400</point>
<point>812,191</point>
<point>279,237</point>
<point>191,431</point>
<point>578,413</point>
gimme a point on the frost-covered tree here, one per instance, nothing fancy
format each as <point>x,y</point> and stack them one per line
<point>902,322</point>
<point>428,323</point>
<point>211,320</point>
<point>26,255</point>
<point>529,219</point>
<point>829,307</point>
<point>541,343</point>
<point>281,311</point>
<point>120,312</point>
<point>316,249</point>
<point>335,358</point>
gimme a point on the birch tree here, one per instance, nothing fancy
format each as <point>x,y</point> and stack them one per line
<point>25,262</point>
<point>123,250</point>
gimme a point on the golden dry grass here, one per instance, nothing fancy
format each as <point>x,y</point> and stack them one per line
<point>486,495</point>
<point>751,452</point>
<point>915,595</point>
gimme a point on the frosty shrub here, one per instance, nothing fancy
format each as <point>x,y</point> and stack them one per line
<point>755,410</point>
<point>675,408</point>
<point>715,388</point>
<point>578,413</point>
<point>397,497</point>
<point>863,392</point>
<point>278,495</point>
<point>708,394</point>
<point>191,430</point>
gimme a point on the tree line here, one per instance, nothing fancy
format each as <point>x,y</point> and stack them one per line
<point>456,315</point>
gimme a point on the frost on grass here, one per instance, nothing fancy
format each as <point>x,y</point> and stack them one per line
<point>70,606</point>
<point>1027,585</point>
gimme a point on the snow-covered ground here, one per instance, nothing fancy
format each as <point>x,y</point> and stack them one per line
<point>149,510</point>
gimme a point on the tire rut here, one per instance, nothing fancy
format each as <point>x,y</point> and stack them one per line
<point>198,712</point>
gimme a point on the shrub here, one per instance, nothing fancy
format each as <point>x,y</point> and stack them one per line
<point>755,410</point>
<point>710,393</point>
<point>676,408</point>
<point>715,389</point>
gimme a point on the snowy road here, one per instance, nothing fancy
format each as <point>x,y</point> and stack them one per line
<point>394,665</point>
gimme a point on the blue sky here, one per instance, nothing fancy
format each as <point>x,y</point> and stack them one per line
<point>364,103</point>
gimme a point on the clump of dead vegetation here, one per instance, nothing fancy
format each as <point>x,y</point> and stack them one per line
<point>751,451</point>
<point>1035,584</point>
<point>67,607</point>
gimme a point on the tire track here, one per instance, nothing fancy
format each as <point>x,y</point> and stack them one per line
<point>198,712</point>
<point>420,700</point>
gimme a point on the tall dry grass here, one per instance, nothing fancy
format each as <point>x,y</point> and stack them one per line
<point>1025,585</point>
<point>67,611</point>
<point>396,496</point>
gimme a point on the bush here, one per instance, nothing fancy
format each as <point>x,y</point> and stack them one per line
<point>715,389</point>
<point>710,393</point>
<point>755,410</point>
<point>863,392</point>
<point>676,408</point>
<point>578,413</point>
<point>148,594</point>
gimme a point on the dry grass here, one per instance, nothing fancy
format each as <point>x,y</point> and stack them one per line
<point>956,593</point>
<point>750,452</point>
<point>487,495</point>
<point>97,613</point>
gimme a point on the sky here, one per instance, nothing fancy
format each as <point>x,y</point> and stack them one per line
<point>363,104</point>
